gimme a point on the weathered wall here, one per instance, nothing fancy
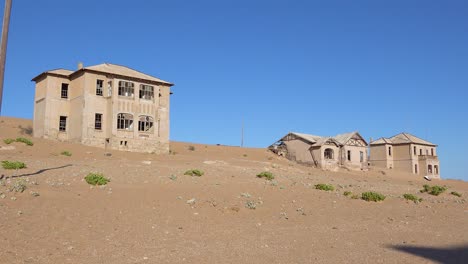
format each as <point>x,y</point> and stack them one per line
<point>298,150</point>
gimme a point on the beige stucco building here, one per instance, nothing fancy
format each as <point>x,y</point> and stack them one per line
<point>405,152</point>
<point>105,105</point>
<point>345,150</point>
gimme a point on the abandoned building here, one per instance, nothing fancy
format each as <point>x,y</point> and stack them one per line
<point>345,150</point>
<point>405,152</point>
<point>105,105</point>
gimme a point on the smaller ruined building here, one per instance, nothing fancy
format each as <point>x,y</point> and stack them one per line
<point>405,152</point>
<point>347,150</point>
<point>105,105</point>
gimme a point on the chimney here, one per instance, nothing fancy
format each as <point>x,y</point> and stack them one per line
<point>80,65</point>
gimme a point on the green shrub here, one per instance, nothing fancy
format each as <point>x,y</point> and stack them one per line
<point>324,187</point>
<point>96,179</point>
<point>433,190</point>
<point>8,141</point>
<point>66,153</point>
<point>456,194</point>
<point>13,165</point>
<point>267,175</point>
<point>198,173</point>
<point>25,141</point>
<point>412,197</point>
<point>372,196</point>
<point>347,193</point>
<point>355,196</point>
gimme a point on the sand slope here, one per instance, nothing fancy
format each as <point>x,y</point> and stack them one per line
<point>142,215</point>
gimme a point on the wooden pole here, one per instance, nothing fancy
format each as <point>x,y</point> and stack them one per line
<point>242,134</point>
<point>3,47</point>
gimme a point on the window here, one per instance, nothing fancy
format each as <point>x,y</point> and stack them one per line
<point>328,153</point>
<point>429,169</point>
<point>145,124</point>
<point>63,123</point>
<point>420,152</point>
<point>126,88</point>
<point>436,169</point>
<point>361,156</point>
<point>146,92</point>
<point>125,121</point>
<point>390,151</point>
<point>99,85</point>
<point>432,152</point>
<point>416,168</point>
<point>64,91</point>
<point>349,155</point>
<point>427,152</point>
<point>98,121</point>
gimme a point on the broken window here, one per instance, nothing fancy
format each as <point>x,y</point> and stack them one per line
<point>349,155</point>
<point>99,86</point>
<point>126,88</point>
<point>146,92</point>
<point>145,124</point>
<point>361,156</point>
<point>63,123</point>
<point>328,153</point>
<point>98,121</point>
<point>429,169</point>
<point>125,121</point>
<point>64,91</point>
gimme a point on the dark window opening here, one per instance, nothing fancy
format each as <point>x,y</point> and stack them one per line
<point>420,152</point>
<point>429,169</point>
<point>146,92</point>
<point>99,87</point>
<point>390,151</point>
<point>349,155</point>
<point>432,152</point>
<point>98,121</point>
<point>414,150</point>
<point>125,121</point>
<point>361,156</point>
<point>328,153</point>
<point>64,91</point>
<point>63,123</point>
<point>126,88</point>
<point>416,168</point>
<point>436,169</point>
<point>145,124</point>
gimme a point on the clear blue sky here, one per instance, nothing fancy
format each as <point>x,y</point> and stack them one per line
<point>319,67</point>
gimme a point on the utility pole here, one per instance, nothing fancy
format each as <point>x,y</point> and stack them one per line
<point>242,134</point>
<point>3,47</point>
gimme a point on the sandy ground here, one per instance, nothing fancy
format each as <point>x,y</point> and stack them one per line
<point>142,215</point>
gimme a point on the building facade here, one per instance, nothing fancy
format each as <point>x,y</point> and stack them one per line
<point>405,152</point>
<point>105,105</point>
<point>345,150</point>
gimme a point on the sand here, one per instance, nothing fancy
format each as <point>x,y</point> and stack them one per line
<point>151,212</point>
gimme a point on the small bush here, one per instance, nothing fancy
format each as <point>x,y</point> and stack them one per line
<point>456,194</point>
<point>96,179</point>
<point>8,141</point>
<point>347,193</point>
<point>191,148</point>
<point>267,175</point>
<point>198,173</point>
<point>355,196</point>
<point>13,165</point>
<point>412,197</point>
<point>433,190</point>
<point>25,141</point>
<point>66,153</point>
<point>251,205</point>
<point>19,186</point>
<point>372,196</point>
<point>324,187</point>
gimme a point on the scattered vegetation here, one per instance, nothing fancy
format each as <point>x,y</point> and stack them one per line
<point>195,172</point>
<point>191,148</point>
<point>96,179</point>
<point>25,141</point>
<point>8,141</point>
<point>324,187</point>
<point>173,177</point>
<point>18,186</point>
<point>13,165</point>
<point>251,205</point>
<point>355,196</point>
<point>372,196</point>
<point>347,193</point>
<point>433,190</point>
<point>412,197</point>
<point>66,153</point>
<point>244,155</point>
<point>456,194</point>
<point>266,174</point>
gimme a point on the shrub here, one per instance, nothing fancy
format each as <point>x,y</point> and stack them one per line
<point>324,187</point>
<point>66,153</point>
<point>372,196</point>
<point>347,193</point>
<point>267,175</point>
<point>18,186</point>
<point>96,179</point>
<point>191,148</point>
<point>8,141</point>
<point>412,197</point>
<point>25,141</point>
<point>251,204</point>
<point>433,190</point>
<point>198,173</point>
<point>355,196</point>
<point>13,165</point>
<point>456,194</point>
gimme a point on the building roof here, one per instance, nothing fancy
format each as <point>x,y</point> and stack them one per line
<point>308,137</point>
<point>340,139</point>
<point>402,138</point>
<point>106,68</point>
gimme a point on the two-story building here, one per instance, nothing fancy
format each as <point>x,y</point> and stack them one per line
<point>405,152</point>
<point>105,105</point>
